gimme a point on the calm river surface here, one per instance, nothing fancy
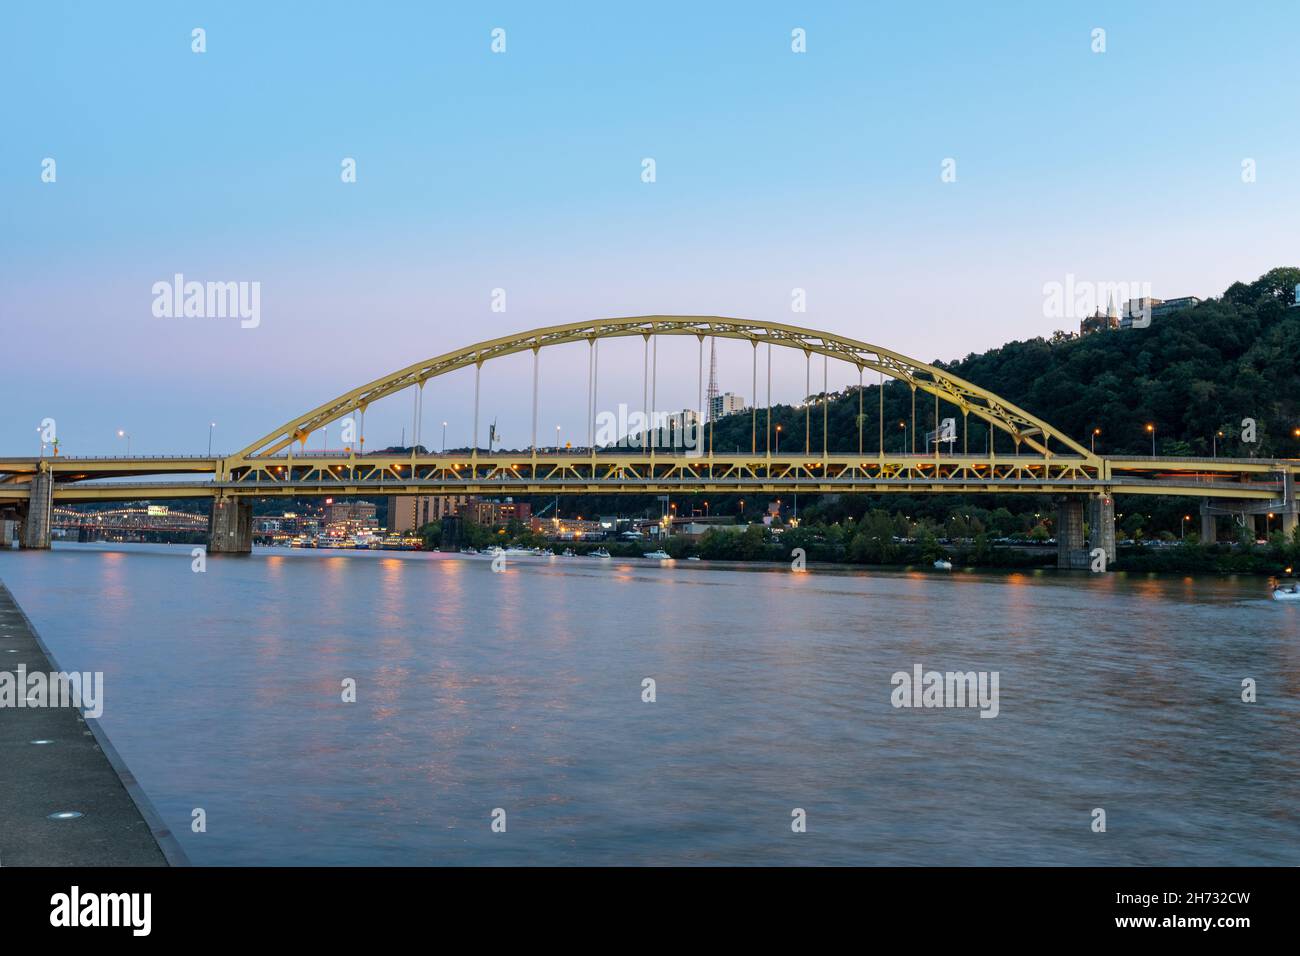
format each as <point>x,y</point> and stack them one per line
<point>523,691</point>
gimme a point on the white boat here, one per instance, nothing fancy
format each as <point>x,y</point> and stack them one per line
<point>600,553</point>
<point>658,555</point>
<point>568,553</point>
<point>943,564</point>
<point>693,557</point>
<point>1286,592</point>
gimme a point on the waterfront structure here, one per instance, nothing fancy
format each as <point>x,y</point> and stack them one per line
<point>350,517</point>
<point>569,529</point>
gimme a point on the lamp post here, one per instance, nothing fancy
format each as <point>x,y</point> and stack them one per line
<point>444,437</point>
<point>123,434</point>
<point>778,439</point>
<point>557,438</point>
<point>1182,531</point>
<point>903,426</point>
<point>1214,444</point>
<point>211,427</point>
<point>1095,433</point>
<point>1152,429</point>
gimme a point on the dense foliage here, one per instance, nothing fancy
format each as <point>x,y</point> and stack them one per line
<point>1191,374</point>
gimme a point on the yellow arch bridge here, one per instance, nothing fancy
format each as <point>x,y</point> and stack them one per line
<point>1045,460</point>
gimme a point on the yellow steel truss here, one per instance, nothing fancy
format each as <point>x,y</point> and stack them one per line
<point>970,399</point>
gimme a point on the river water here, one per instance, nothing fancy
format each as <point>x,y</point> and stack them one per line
<point>522,691</point>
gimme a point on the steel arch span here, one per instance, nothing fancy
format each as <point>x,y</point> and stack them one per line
<point>968,397</point>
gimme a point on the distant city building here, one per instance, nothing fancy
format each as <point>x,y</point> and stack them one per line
<point>683,419</point>
<point>409,512</point>
<point>677,429</point>
<point>725,404</point>
<point>493,514</point>
<point>349,517</point>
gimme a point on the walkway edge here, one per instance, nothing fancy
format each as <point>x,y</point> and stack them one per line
<point>162,834</point>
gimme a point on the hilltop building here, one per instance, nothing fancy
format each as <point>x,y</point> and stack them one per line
<point>1158,308</point>
<point>728,403</point>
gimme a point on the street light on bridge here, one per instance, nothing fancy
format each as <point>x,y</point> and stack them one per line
<point>1152,429</point>
<point>211,426</point>
<point>123,434</point>
<point>903,426</point>
<point>1214,444</point>
<point>1095,433</point>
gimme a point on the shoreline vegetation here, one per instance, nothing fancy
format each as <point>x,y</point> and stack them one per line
<point>874,542</point>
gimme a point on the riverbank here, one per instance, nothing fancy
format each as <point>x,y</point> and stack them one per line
<point>57,762</point>
<point>1270,560</point>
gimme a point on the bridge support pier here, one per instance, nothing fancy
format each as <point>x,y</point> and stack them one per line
<point>1101,527</point>
<point>230,526</point>
<point>1251,519</point>
<point>1071,548</point>
<point>38,516</point>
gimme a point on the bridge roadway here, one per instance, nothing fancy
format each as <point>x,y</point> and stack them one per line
<point>108,479</point>
<point>1227,485</point>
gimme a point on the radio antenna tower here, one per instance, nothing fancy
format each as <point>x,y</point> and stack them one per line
<point>713,374</point>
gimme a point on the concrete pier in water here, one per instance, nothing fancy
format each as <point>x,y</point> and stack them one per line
<point>230,526</point>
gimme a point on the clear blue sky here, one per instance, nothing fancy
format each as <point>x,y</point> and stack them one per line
<point>522,171</point>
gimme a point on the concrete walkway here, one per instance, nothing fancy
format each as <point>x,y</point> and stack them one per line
<point>77,770</point>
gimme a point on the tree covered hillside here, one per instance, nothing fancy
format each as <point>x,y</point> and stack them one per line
<point>1192,374</point>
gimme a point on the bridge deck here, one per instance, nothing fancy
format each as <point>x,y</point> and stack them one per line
<point>107,479</point>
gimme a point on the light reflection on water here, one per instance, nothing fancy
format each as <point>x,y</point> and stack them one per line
<point>523,691</point>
